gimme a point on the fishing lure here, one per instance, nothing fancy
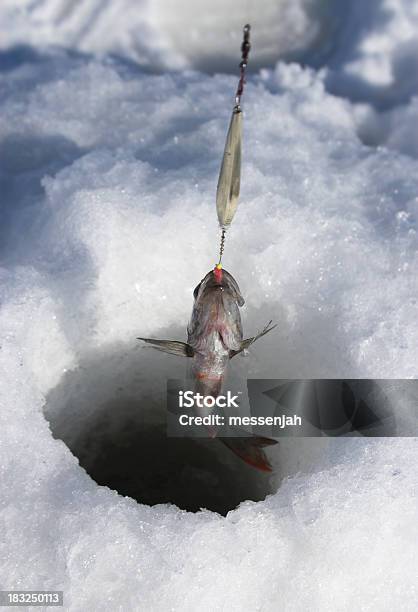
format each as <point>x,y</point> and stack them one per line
<point>229,181</point>
<point>215,333</point>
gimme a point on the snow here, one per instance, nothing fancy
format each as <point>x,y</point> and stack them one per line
<point>160,34</point>
<point>108,175</point>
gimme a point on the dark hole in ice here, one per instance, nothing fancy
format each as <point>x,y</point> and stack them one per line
<point>110,412</point>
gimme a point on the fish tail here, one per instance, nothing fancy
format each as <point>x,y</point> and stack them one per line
<point>250,450</point>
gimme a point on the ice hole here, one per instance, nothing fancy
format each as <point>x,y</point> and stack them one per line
<point>110,411</point>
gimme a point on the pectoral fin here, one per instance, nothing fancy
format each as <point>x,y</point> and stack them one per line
<point>246,343</point>
<point>172,347</point>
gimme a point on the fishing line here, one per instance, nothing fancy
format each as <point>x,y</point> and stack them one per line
<point>222,246</point>
<point>245,50</point>
<point>230,173</point>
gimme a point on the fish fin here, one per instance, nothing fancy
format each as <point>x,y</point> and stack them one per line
<point>172,347</point>
<point>250,450</point>
<point>246,343</point>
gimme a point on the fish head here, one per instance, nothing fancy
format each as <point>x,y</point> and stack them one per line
<point>218,279</point>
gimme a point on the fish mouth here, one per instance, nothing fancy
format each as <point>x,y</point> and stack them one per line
<point>213,283</point>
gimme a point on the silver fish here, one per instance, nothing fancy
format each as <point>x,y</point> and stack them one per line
<point>214,337</point>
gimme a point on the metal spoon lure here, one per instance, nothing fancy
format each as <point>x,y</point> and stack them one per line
<point>230,173</point>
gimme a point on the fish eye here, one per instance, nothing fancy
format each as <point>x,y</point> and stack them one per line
<point>196,291</point>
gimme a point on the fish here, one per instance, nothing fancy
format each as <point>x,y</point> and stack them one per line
<point>214,337</point>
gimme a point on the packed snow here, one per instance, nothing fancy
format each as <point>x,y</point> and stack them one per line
<point>111,145</point>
